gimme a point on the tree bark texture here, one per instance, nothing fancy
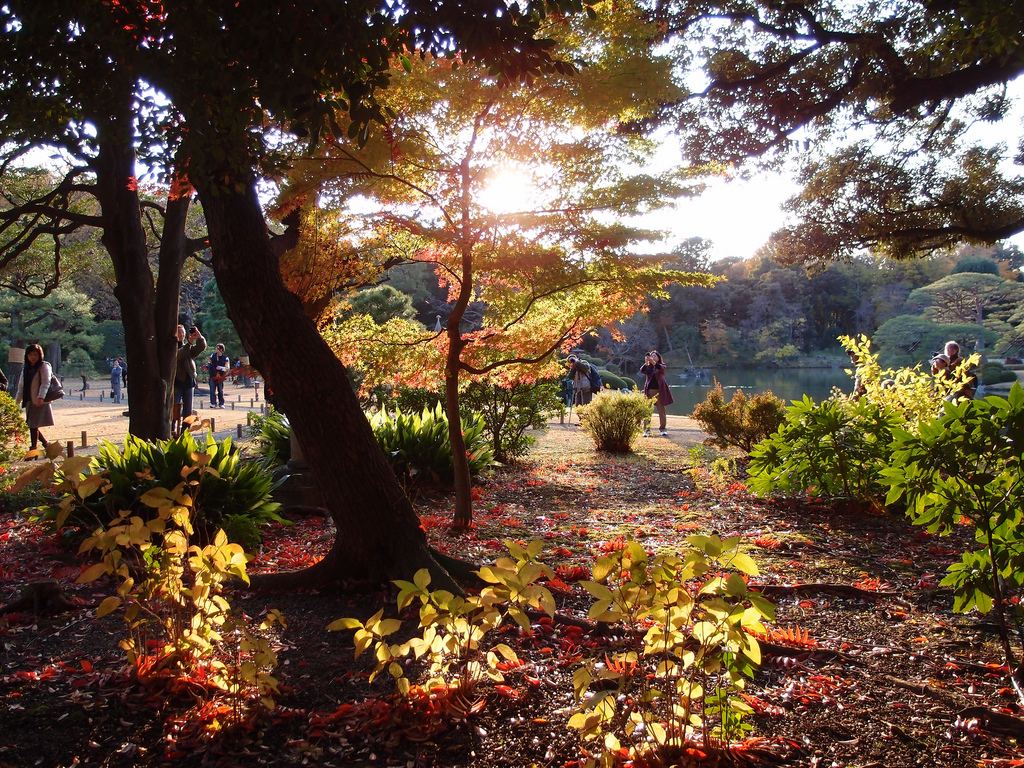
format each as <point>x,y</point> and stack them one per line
<point>379,535</point>
<point>148,343</point>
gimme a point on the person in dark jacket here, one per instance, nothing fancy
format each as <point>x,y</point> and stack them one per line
<point>218,367</point>
<point>579,370</point>
<point>655,386</point>
<point>185,375</point>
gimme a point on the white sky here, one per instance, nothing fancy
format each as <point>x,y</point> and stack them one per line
<point>736,215</point>
<point>739,215</point>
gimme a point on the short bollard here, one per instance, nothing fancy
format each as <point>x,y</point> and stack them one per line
<point>239,430</point>
<point>71,449</point>
<point>213,426</point>
<point>85,438</point>
<point>232,406</point>
<point>251,403</point>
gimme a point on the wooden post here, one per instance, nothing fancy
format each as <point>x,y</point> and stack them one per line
<point>82,396</point>
<point>101,395</point>
<point>232,406</point>
<point>85,438</point>
<point>239,430</point>
<point>71,449</point>
<point>251,403</point>
<point>213,425</point>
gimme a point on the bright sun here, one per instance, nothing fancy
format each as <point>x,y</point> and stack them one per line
<point>508,191</point>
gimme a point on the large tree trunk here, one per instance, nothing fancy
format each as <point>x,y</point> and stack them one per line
<point>125,241</point>
<point>379,534</point>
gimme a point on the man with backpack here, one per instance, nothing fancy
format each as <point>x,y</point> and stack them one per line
<point>585,380</point>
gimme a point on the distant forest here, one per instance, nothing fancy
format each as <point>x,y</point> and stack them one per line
<point>769,315</point>
<point>760,314</point>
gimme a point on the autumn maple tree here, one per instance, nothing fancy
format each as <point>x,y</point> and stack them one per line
<point>205,93</point>
<point>518,196</point>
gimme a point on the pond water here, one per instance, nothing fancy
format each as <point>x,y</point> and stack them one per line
<point>790,384</point>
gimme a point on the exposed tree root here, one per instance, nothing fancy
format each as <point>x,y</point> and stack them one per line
<point>40,596</point>
<point>953,702</point>
<point>462,570</point>
<point>840,590</point>
<point>339,565</point>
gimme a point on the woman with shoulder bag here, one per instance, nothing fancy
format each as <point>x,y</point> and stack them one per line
<point>35,383</point>
<point>655,387</point>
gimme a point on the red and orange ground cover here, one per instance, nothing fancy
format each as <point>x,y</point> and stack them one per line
<point>865,666</point>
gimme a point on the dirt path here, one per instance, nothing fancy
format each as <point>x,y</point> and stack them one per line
<point>100,419</point>
<point>79,414</point>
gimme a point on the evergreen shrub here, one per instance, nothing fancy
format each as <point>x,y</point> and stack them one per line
<point>743,422</point>
<point>996,373</point>
<point>835,448</point>
<point>508,412</point>
<point>966,467</point>
<point>418,448</point>
<point>615,419</point>
<point>235,495</point>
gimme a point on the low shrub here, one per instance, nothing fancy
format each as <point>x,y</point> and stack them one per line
<point>743,422</point>
<point>690,626</point>
<point>615,381</point>
<point>13,430</point>
<point>508,412</point>
<point>418,448</point>
<point>233,495</point>
<point>835,448</point>
<point>615,419</point>
<point>966,467</point>
<point>996,373</point>
<point>180,624</point>
<point>272,435</point>
<point>674,684</point>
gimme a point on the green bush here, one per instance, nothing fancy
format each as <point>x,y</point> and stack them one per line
<point>615,419</point>
<point>968,464</point>
<point>996,373</point>
<point>743,422</point>
<point>617,382</point>
<point>837,448</point>
<point>412,400</point>
<point>235,496</point>
<point>272,435</point>
<point>418,448</point>
<point>13,430</point>
<point>508,412</point>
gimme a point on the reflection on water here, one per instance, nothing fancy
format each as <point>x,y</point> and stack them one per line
<point>787,384</point>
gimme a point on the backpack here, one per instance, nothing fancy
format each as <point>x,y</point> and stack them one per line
<point>594,376</point>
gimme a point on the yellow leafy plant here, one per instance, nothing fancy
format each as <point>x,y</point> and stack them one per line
<point>688,621</point>
<point>179,623</point>
<point>912,392</point>
<point>452,627</point>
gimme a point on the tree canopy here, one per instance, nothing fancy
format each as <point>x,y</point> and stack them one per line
<point>548,259</point>
<point>877,99</point>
